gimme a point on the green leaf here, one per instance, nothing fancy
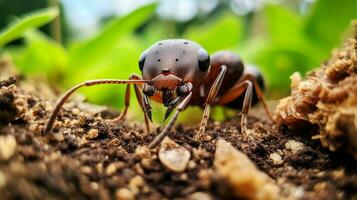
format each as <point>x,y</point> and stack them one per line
<point>27,22</point>
<point>223,33</point>
<point>120,62</point>
<point>87,53</point>
<point>41,55</point>
<point>277,64</point>
<point>284,26</point>
<point>327,21</point>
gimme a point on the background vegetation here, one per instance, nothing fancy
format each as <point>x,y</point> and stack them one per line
<point>280,37</point>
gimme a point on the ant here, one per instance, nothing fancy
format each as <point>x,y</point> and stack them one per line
<point>178,73</point>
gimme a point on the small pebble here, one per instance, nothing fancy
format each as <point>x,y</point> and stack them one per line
<point>83,141</point>
<point>200,196</point>
<point>142,152</point>
<point>86,170</point>
<point>136,181</point>
<point>294,146</point>
<point>92,133</point>
<point>94,185</point>
<point>276,158</point>
<point>184,177</point>
<point>235,170</point>
<point>146,163</point>
<point>111,169</point>
<point>191,164</point>
<point>7,146</point>
<point>56,137</point>
<point>135,184</point>
<point>124,194</point>
<point>173,156</point>
<point>99,167</point>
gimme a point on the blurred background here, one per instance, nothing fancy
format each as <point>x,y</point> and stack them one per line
<point>65,42</point>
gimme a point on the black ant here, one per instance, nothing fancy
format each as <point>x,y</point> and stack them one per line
<point>177,73</point>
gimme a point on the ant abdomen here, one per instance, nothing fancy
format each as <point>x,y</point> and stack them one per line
<point>235,68</point>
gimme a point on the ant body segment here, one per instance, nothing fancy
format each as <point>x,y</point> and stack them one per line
<point>178,73</point>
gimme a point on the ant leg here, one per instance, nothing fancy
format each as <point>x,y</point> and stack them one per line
<point>211,97</point>
<point>164,132</point>
<point>139,98</point>
<point>261,98</point>
<point>84,84</point>
<point>236,91</point>
<point>247,103</point>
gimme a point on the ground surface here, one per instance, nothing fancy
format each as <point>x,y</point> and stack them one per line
<point>89,157</point>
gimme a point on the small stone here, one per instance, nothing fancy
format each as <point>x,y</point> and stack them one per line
<point>136,181</point>
<point>191,164</point>
<point>86,170</point>
<point>99,167</point>
<point>76,111</point>
<point>111,169</point>
<point>83,141</point>
<point>276,158</point>
<point>124,194</point>
<point>56,137</point>
<point>74,122</point>
<point>135,184</point>
<point>173,156</point>
<point>142,152</point>
<point>200,196</point>
<point>92,133</point>
<point>235,169</point>
<point>94,185</point>
<point>53,156</point>
<point>7,146</point>
<point>146,163</point>
<point>138,169</point>
<point>294,146</point>
<point>184,177</point>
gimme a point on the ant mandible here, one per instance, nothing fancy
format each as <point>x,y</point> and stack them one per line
<point>177,73</point>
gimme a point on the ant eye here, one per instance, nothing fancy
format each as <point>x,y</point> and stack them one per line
<point>142,60</point>
<point>203,60</point>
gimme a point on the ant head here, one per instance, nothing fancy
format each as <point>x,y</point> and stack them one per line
<point>179,59</point>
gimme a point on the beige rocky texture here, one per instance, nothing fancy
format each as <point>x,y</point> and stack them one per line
<point>173,156</point>
<point>235,170</point>
<point>7,147</point>
<point>327,97</point>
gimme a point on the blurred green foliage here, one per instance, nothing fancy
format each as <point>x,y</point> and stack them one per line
<point>29,21</point>
<point>277,39</point>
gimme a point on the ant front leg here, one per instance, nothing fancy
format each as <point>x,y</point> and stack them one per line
<point>84,84</point>
<point>210,98</point>
<point>171,123</point>
<point>139,98</point>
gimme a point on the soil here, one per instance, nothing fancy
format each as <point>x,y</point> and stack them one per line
<point>77,159</point>
<point>88,156</point>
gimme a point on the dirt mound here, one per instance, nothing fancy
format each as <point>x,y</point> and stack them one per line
<point>327,98</point>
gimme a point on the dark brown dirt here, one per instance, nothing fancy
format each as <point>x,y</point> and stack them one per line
<point>89,157</point>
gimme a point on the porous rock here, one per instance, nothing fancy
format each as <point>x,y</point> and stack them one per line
<point>326,98</point>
